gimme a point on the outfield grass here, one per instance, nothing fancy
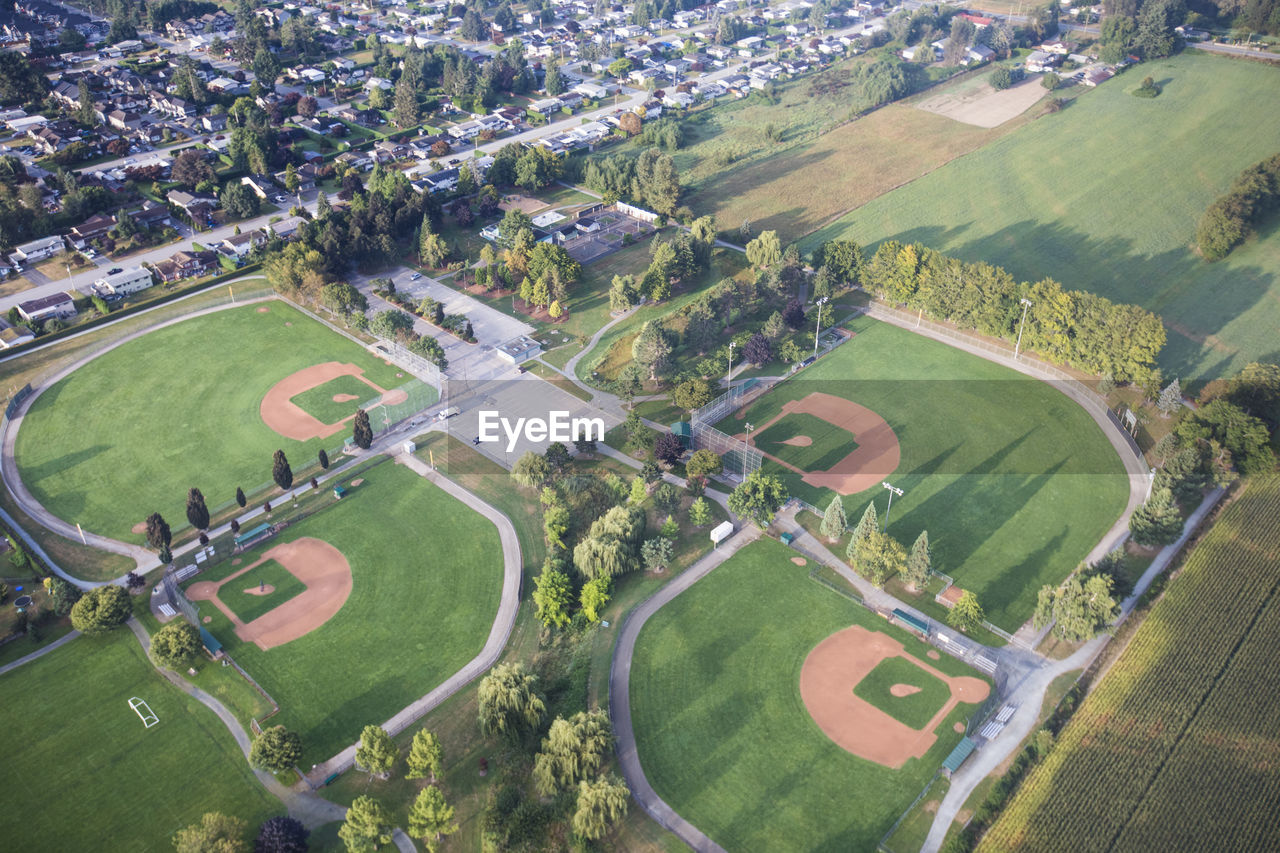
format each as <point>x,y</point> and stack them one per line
<point>915,710</point>
<point>722,732</point>
<point>1105,196</point>
<point>83,772</point>
<point>319,403</point>
<point>127,434</point>
<point>1014,481</point>
<point>830,442</point>
<point>427,575</point>
<point>248,606</point>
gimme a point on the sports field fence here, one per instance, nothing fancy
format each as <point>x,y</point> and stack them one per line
<point>178,599</point>
<point>738,457</point>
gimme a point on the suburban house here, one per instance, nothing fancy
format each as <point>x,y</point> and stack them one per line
<point>185,265</point>
<point>38,250</point>
<point>57,305</point>
<point>286,228</point>
<point>152,214</point>
<point>13,336</point>
<point>125,282</point>
<point>197,207</point>
<point>239,246</point>
<point>1039,61</point>
<point>93,228</point>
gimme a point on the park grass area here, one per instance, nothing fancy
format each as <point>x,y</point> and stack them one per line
<point>589,300</point>
<point>85,774</point>
<point>830,442</point>
<point>910,834</point>
<point>1117,219</point>
<point>916,709</point>
<point>166,425</point>
<point>986,456</point>
<point>319,401</point>
<point>720,727</point>
<point>241,594</point>
<point>427,576</point>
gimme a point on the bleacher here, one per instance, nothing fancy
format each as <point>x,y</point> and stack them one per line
<point>962,751</point>
<point>250,537</point>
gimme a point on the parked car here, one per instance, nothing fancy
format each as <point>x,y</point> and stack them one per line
<point>415,276</point>
<point>114,270</point>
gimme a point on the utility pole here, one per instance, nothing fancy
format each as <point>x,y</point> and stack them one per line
<point>818,328</point>
<point>1026,303</point>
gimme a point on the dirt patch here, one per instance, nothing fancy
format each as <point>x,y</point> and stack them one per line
<point>950,596</point>
<point>985,106</point>
<point>826,685</point>
<point>344,398</point>
<point>931,807</point>
<point>265,589</point>
<point>876,457</point>
<point>798,441</point>
<point>263,309</point>
<point>140,527</point>
<point>933,654</point>
<point>282,415</point>
<point>901,690</point>
<point>288,324</point>
<point>237,561</point>
<point>359,481</point>
<point>322,569</point>
<point>522,203</point>
<point>395,397</point>
<point>958,728</point>
<point>799,561</point>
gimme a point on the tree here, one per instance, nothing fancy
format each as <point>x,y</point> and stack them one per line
<point>553,83</point>
<point>666,497</point>
<point>600,804</point>
<point>757,350</point>
<point>197,512</point>
<point>376,753</point>
<point>158,535</point>
<point>391,324</point>
<point>1050,81</point>
<point>869,522</point>
<point>431,818</point>
<point>191,169</point>
<point>215,833</point>
<point>764,251</point>
<point>276,750</point>
<point>240,498</point>
<point>407,110</point>
<point>100,609</point>
<point>834,521</point>
<point>62,595</point>
<point>307,106</point>
<point>323,458</point>
<point>573,750</point>
<point>361,432</point>
<point>919,562</point>
<point>432,250</point>
<point>508,703</point>
<point>667,448</point>
<point>700,513</point>
<point>238,200</point>
<point>557,457</point>
<point>426,757</point>
<point>878,557</point>
<point>280,471</point>
<point>1158,521</point>
<point>1170,399</point>
<point>1079,609</point>
<point>692,393</point>
<point>638,491</point>
<point>531,470</point>
<point>367,826</point>
<point>175,644</point>
<point>1001,78</point>
<point>657,553</point>
<point>281,834</point>
<point>967,612</point>
<point>703,463</point>
<point>758,498</point>
<point>793,314</point>
<point>651,349</point>
<point>552,595</point>
<point>594,597</point>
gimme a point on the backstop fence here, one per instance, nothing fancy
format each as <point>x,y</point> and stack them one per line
<point>178,598</point>
<point>739,458</point>
<point>420,367</point>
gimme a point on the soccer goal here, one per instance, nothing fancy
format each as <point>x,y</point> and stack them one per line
<point>144,712</point>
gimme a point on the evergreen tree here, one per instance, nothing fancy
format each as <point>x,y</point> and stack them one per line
<point>367,826</point>
<point>280,470</point>
<point>700,513</point>
<point>552,595</point>
<point>594,597</point>
<point>967,613</point>
<point>324,459</point>
<point>431,818</point>
<point>276,750</point>
<point>638,491</point>
<point>281,835</point>
<point>361,432</point>
<point>376,753</point>
<point>197,512</point>
<point>554,83</point>
<point>834,520</point>
<point>919,563</point>
<point>868,523</point>
<point>1170,399</point>
<point>426,756</point>
<point>158,534</point>
<point>1158,521</point>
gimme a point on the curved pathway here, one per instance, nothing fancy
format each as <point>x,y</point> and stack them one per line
<point>503,622</point>
<point>40,652</point>
<point>620,691</point>
<point>600,398</point>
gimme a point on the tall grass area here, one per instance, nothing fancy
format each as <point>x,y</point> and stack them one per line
<point>1105,196</point>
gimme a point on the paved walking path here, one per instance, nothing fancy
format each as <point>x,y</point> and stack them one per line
<point>40,652</point>
<point>620,692</point>
<point>498,634</point>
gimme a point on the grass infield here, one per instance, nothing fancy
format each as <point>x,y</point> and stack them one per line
<point>319,403</point>
<point>249,606</point>
<point>85,774</point>
<point>830,442</point>
<point>915,710</point>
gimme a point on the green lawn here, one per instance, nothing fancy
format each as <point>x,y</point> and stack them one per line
<point>127,434</point>
<point>1105,196</point>
<point>83,772</point>
<point>830,442</point>
<point>1014,481</point>
<point>319,403</point>
<point>915,710</point>
<point>427,575</point>
<point>722,732</point>
<point>246,604</point>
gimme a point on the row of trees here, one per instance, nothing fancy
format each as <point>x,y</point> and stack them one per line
<point>1231,218</point>
<point>649,180</point>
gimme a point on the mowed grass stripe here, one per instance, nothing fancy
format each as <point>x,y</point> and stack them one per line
<point>830,442</point>
<point>130,432</point>
<point>916,709</point>
<point>721,729</point>
<point>1105,196</point>
<point>1014,482</point>
<point>247,605</point>
<point>83,773</point>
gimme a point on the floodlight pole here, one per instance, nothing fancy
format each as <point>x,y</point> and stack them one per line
<point>747,444</point>
<point>892,491</point>
<point>729,382</point>
<point>818,328</point>
<point>1026,303</point>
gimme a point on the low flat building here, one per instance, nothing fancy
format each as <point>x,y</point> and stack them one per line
<point>125,282</point>
<point>58,305</point>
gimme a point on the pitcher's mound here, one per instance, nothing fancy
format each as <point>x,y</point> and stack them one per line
<point>799,561</point>
<point>903,690</point>
<point>958,728</point>
<point>357,482</point>
<point>206,620</point>
<point>344,398</point>
<point>264,309</point>
<point>266,589</point>
<point>934,654</point>
<point>140,527</point>
<point>798,441</point>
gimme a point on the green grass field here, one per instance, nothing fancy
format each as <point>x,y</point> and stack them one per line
<point>1014,482</point>
<point>1105,196</point>
<point>722,732</point>
<point>248,606</point>
<point>830,442</point>
<point>427,575</point>
<point>127,434</point>
<point>915,710</point>
<point>83,772</point>
<point>319,403</point>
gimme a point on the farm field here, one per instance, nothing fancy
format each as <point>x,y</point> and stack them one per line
<point>1176,748</point>
<point>427,575</point>
<point>987,456</point>
<point>85,774</point>
<point>1117,219</point>
<point>127,434</point>
<point>720,727</point>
